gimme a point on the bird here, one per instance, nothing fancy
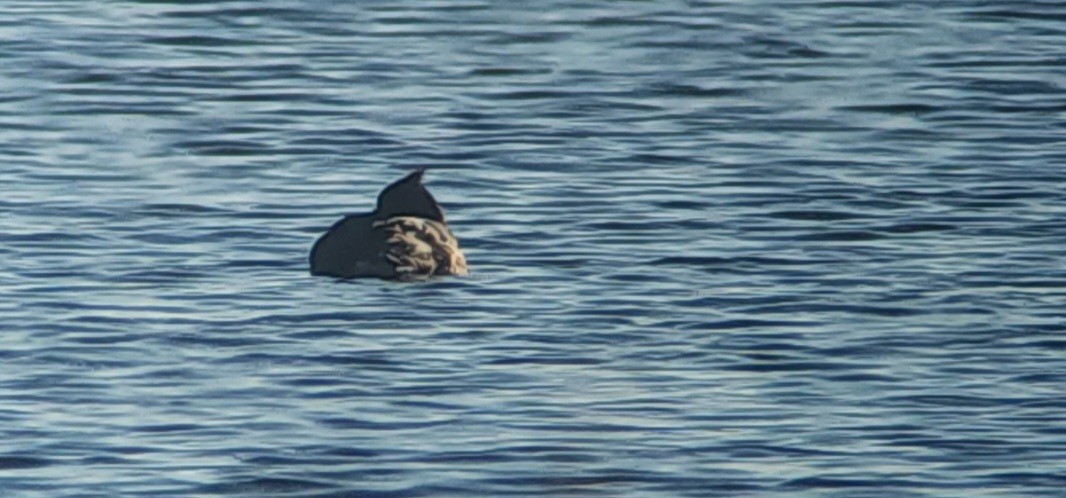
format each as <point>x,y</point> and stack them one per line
<point>405,238</point>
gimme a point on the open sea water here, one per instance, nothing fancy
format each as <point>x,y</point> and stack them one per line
<point>719,248</point>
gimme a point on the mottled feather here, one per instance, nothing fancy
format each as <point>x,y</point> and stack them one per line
<point>421,248</point>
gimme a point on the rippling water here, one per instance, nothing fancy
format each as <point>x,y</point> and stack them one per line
<point>719,249</point>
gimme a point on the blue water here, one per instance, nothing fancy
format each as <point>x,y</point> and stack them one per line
<point>765,249</point>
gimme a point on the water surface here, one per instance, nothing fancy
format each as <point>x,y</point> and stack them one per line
<point>718,248</point>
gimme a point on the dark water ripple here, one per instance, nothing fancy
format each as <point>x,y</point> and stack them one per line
<point>719,249</point>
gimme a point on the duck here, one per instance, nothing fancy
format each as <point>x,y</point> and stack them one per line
<point>405,238</point>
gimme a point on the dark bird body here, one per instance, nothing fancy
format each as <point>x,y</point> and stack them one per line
<point>405,238</point>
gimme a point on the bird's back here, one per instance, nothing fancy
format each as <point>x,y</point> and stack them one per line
<point>351,248</point>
